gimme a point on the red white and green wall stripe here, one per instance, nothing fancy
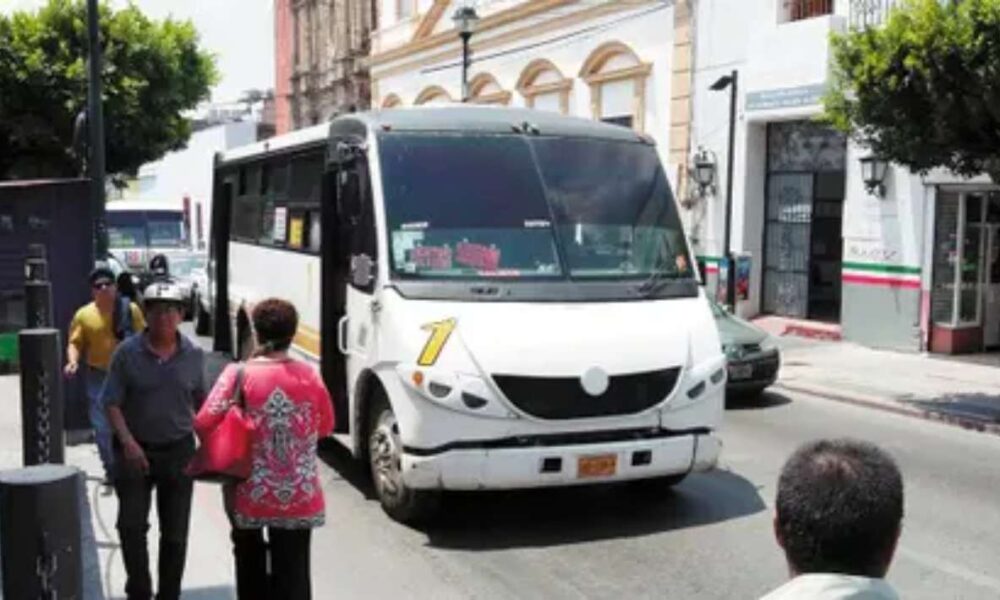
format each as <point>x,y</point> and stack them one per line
<point>881,275</point>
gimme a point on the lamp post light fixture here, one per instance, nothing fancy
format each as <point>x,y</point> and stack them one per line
<point>873,171</point>
<point>703,170</point>
<point>730,81</point>
<point>465,19</point>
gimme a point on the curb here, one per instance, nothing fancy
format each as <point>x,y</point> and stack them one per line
<point>892,406</point>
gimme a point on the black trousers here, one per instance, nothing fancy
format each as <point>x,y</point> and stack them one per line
<point>287,551</point>
<point>173,505</point>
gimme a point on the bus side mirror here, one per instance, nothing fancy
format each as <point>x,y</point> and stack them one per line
<point>362,271</point>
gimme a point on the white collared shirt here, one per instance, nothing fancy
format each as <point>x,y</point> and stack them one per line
<point>833,586</point>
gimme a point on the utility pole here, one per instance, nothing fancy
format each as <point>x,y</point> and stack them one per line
<point>95,122</point>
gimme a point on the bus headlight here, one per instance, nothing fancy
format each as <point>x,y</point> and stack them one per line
<point>457,391</point>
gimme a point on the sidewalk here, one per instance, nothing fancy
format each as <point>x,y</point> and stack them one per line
<point>209,573</point>
<point>956,391</point>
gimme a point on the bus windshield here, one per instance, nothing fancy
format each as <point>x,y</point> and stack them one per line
<point>504,206</point>
<point>145,229</point>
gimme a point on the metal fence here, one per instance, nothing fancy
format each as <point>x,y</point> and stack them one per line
<point>870,13</point>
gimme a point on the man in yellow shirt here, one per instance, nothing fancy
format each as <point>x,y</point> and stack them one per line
<point>94,333</point>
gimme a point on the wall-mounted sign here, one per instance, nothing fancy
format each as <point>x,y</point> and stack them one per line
<point>793,97</point>
<point>280,223</point>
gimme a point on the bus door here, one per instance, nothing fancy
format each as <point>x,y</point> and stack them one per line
<point>218,262</point>
<point>349,269</point>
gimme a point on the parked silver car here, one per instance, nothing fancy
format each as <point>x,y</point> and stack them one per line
<point>183,270</point>
<point>752,354</point>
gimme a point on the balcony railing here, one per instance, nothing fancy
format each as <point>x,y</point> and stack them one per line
<point>870,13</point>
<point>797,10</point>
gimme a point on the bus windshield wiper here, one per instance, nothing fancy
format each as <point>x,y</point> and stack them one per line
<point>656,279</point>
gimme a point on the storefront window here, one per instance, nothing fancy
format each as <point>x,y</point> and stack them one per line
<point>962,244</point>
<point>945,258</point>
<point>971,258</point>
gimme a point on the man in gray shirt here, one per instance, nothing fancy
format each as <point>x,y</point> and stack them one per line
<point>155,384</point>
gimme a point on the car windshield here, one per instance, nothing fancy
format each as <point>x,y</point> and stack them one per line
<point>504,206</point>
<point>182,266</point>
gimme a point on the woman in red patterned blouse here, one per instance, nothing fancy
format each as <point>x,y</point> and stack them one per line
<point>291,409</point>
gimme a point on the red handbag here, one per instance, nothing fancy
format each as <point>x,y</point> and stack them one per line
<point>225,453</point>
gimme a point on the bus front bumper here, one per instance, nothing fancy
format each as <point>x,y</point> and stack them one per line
<point>542,466</point>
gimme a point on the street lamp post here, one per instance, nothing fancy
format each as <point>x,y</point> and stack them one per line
<point>729,81</point>
<point>465,19</point>
<point>95,122</point>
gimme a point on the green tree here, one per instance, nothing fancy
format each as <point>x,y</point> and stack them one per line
<point>153,72</point>
<point>924,89</point>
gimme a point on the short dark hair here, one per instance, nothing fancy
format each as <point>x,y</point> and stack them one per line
<point>101,273</point>
<point>840,508</point>
<point>275,322</point>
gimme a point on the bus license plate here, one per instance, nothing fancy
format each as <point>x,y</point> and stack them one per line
<point>602,465</point>
<point>737,372</point>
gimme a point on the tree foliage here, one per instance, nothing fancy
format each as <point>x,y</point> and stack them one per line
<point>924,89</point>
<point>153,72</point>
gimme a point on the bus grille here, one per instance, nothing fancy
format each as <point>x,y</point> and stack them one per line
<point>564,397</point>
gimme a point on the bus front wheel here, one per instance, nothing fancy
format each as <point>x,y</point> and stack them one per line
<point>385,451</point>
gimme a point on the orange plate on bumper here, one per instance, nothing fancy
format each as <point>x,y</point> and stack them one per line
<point>601,465</point>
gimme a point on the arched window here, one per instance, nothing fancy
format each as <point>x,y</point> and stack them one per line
<point>391,101</point>
<point>617,80</point>
<point>434,94</point>
<point>484,89</point>
<point>544,86</point>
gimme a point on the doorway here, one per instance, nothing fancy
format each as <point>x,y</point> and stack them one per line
<point>991,288</point>
<point>803,229</point>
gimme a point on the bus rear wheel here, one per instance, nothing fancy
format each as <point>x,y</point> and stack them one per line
<point>385,453</point>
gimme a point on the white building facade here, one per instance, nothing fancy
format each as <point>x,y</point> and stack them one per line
<point>914,266</point>
<point>624,62</point>
<point>187,174</point>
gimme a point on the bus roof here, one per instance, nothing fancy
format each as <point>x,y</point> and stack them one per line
<point>443,118</point>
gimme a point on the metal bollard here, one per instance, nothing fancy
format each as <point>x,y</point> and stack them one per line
<point>41,397</point>
<point>36,269</point>
<point>38,304</point>
<point>40,533</point>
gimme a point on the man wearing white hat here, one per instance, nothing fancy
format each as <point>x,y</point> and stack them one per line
<point>155,384</point>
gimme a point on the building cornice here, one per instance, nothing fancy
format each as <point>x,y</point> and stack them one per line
<point>478,45</point>
<point>498,19</point>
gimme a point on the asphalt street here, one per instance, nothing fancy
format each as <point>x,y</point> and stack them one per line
<point>710,537</point>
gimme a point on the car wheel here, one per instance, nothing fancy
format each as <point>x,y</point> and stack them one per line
<point>385,451</point>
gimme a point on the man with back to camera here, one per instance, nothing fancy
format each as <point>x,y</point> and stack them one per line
<point>839,514</point>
